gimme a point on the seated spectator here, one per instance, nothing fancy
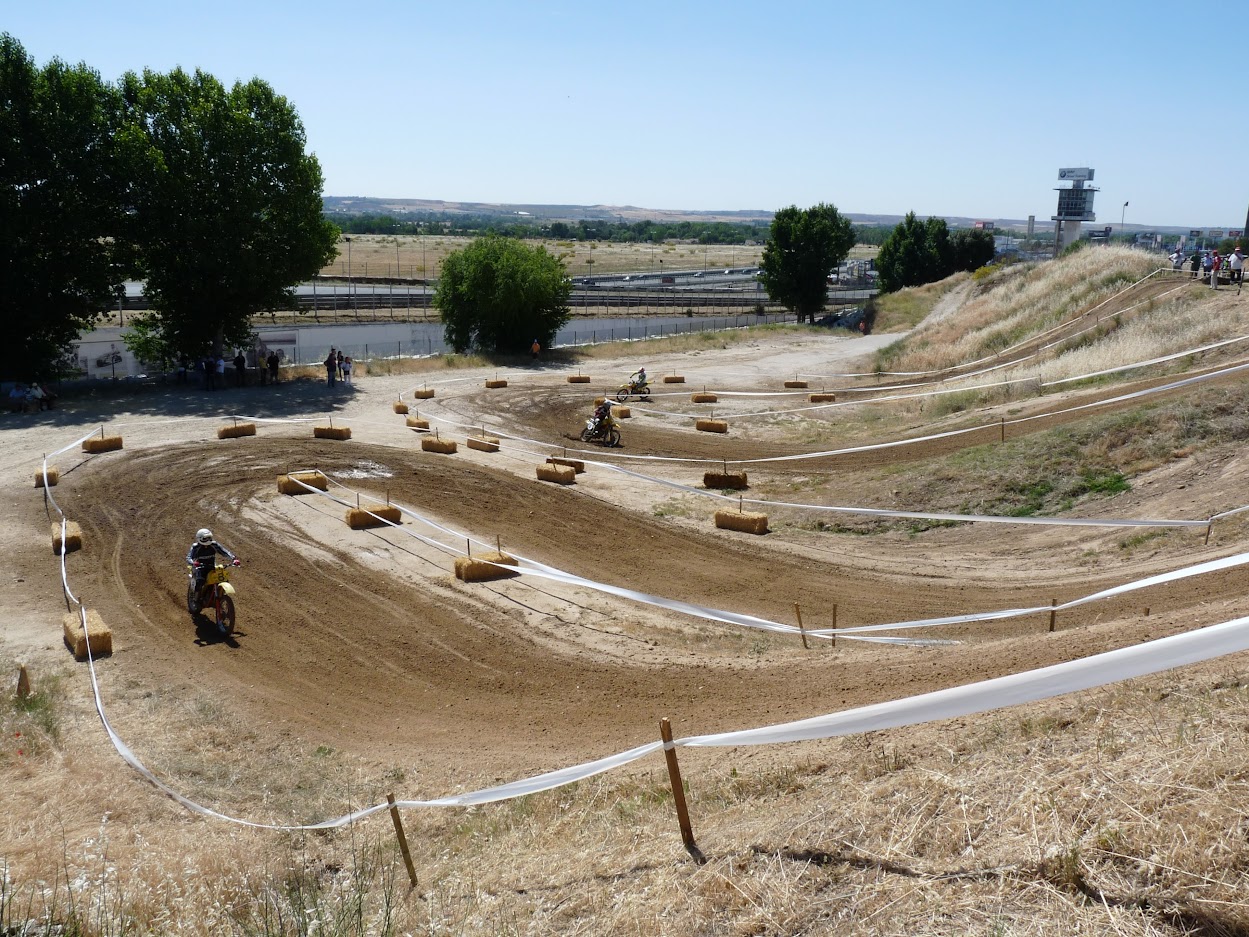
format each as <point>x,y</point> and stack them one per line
<point>17,398</point>
<point>40,398</point>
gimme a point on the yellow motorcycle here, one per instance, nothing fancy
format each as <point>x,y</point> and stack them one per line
<point>215,599</point>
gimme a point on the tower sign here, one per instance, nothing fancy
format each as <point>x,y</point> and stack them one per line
<point>1075,204</point>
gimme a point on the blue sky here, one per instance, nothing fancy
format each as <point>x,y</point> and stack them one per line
<point>942,108</point>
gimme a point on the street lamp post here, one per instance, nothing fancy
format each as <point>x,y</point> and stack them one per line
<point>1122,215</point>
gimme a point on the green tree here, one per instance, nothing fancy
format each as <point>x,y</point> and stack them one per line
<point>904,259</point>
<point>804,246</point>
<point>62,227</point>
<point>498,294</point>
<point>973,248</point>
<point>227,205</point>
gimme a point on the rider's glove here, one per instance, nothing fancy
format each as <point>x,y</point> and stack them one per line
<point>236,563</point>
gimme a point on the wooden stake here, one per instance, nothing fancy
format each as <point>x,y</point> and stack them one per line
<point>468,546</point>
<point>798,612</point>
<point>1209,527</point>
<point>1146,611</point>
<point>834,624</point>
<point>23,682</point>
<point>678,792</point>
<point>403,840</point>
<point>1003,429</point>
<point>498,544</point>
<point>1053,613</point>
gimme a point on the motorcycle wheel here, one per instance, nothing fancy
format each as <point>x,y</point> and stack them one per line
<point>613,438</point>
<point>586,435</point>
<point>622,395</point>
<point>645,393</point>
<point>190,598</point>
<point>225,615</point>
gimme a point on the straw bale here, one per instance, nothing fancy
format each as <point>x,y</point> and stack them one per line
<point>100,634</point>
<point>796,384</point>
<point>734,480</point>
<point>438,444</point>
<point>331,432</point>
<point>711,426</point>
<point>578,379</point>
<point>290,484</point>
<point>50,480</point>
<point>416,422</point>
<point>745,521</point>
<point>500,382</point>
<point>674,378</point>
<point>703,398</point>
<point>483,443</point>
<point>399,406</point>
<point>73,537</point>
<point>484,567</point>
<point>560,474</point>
<point>576,465</point>
<point>423,394</point>
<point>236,430</point>
<point>363,518</point>
<point>822,398</point>
<point>101,444</point>
<point>621,413</point>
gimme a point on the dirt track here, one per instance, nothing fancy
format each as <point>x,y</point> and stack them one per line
<point>365,641</point>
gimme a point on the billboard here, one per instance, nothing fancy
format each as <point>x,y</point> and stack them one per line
<point>1195,233</point>
<point>1080,174</point>
<point>1235,233</point>
<point>1216,232</point>
<point>1075,205</point>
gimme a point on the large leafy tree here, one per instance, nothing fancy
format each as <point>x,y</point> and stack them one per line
<point>973,248</point>
<point>227,205</point>
<point>803,248</point>
<point>498,294</point>
<point>63,248</point>
<point>919,252</point>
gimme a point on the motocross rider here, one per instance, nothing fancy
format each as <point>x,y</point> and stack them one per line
<point>637,379</point>
<point>202,557</point>
<point>602,415</point>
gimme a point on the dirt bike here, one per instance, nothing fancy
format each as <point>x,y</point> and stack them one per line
<point>215,599</point>
<point>642,391</point>
<point>604,431</point>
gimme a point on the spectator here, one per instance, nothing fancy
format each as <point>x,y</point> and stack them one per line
<point>272,361</point>
<point>240,368</point>
<point>535,348</point>
<point>1236,267</point>
<point>1215,263</point>
<point>331,367</point>
<point>220,367</point>
<point>1194,264</point>
<point>17,398</point>
<point>347,370</point>
<point>39,398</point>
<point>340,364</point>
<point>209,368</point>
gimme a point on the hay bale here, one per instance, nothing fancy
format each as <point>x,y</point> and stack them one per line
<point>423,394</point>
<point>437,444</point>
<point>621,413</point>
<point>674,378</point>
<point>364,518</point>
<point>416,422</point>
<point>236,430</point>
<point>796,383</point>
<point>483,443</point>
<point>822,398</point>
<point>484,567</point>
<point>101,444</point>
<point>576,465</point>
<point>578,379</point>
<point>331,432</point>
<point>399,406</point>
<point>704,397</point>
<point>745,521</point>
<point>73,537</point>
<point>48,481</point>
<point>99,634</point>
<point>291,484</point>
<point>711,426</point>
<point>560,474</point>
<point>733,480</point>
<point>499,382</point>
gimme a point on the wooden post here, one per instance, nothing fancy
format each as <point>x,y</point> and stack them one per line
<point>468,546</point>
<point>1209,527</point>
<point>23,682</point>
<point>834,636</point>
<point>1053,613</point>
<point>403,840</point>
<point>678,792</point>
<point>1003,428</point>
<point>798,612</point>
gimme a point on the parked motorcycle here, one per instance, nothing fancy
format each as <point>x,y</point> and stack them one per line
<point>604,431</point>
<point>215,599</point>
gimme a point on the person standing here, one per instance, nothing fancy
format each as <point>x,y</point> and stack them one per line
<point>331,367</point>
<point>221,370</point>
<point>1236,267</point>
<point>340,364</point>
<point>347,370</point>
<point>272,361</point>
<point>535,348</point>
<point>240,368</point>
<point>1215,263</point>
<point>209,367</point>
<point>1195,264</point>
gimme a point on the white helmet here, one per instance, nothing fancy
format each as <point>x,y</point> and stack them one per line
<point>204,535</point>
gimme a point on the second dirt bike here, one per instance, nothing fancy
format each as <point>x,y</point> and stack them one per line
<point>642,391</point>
<point>215,599</point>
<point>604,431</point>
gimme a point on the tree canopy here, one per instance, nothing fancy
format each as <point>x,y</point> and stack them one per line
<point>63,244</point>
<point>498,294</point>
<point>227,205</point>
<point>804,246</point>
<point>919,252</point>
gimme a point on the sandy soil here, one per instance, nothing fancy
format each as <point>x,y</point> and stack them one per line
<point>366,642</point>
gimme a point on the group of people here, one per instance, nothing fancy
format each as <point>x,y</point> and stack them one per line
<point>33,396</point>
<point>213,369</point>
<point>1209,264</point>
<point>337,367</point>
